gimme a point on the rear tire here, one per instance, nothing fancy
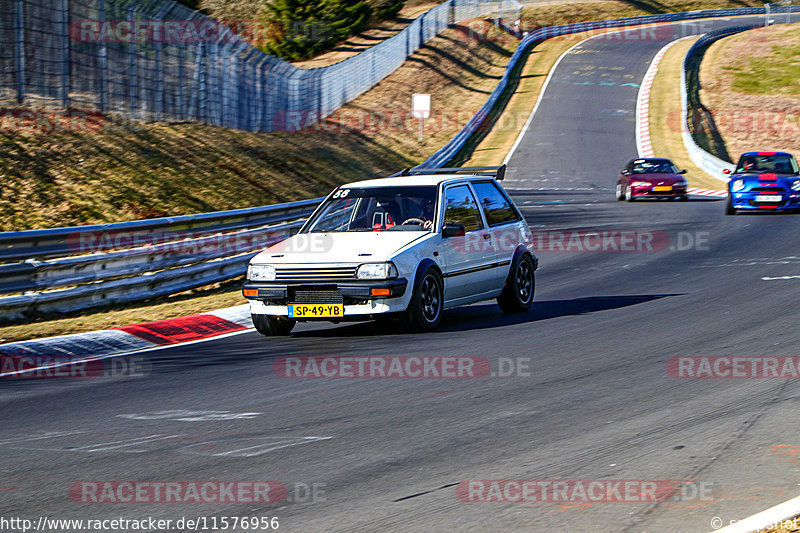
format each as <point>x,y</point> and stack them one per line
<point>271,326</point>
<point>424,312</point>
<point>517,295</point>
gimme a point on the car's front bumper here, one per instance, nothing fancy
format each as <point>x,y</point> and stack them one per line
<point>749,200</point>
<point>359,298</point>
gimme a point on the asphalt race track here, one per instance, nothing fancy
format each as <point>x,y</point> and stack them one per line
<point>595,401</point>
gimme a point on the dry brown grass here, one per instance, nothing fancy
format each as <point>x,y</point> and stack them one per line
<point>749,121</point>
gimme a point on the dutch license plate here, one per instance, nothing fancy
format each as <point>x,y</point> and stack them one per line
<point>662,188</point>
<point>316,310</point>
<point>769,198</point>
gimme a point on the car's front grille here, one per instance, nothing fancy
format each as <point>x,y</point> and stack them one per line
<point>314,273</point>
<point>777,190</point>
<point>316,296</point>
<point>779,203</point>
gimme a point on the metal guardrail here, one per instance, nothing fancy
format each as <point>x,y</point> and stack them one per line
<point>59,242</point>
<point>88,267</point>
<point>706,161</point>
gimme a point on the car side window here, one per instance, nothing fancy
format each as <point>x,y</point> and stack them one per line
<point>460,208</point>
<point>496,207</point>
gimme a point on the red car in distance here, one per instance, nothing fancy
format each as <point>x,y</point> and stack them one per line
<point>651,178</point>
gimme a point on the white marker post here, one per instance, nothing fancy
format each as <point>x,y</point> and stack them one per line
<point>421,109</point>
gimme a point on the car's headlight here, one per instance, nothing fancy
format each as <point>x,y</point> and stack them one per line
<point>641,184</point>
<point>796,185</point>
<point>376,271</point>
<point>737,185</point>
<point>682,183</point>
<point>261,273</point>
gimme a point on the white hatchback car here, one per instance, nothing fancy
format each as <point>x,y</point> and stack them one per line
<point>405,247</point>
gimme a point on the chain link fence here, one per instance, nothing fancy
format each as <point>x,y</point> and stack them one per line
<point>157,60</point>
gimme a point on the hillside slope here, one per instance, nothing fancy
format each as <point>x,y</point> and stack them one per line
<point>123,170</point>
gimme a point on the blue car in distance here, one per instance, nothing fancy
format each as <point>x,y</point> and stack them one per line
<point>764,181</point>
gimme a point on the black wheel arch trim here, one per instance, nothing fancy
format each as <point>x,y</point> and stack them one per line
<point>423,266</point>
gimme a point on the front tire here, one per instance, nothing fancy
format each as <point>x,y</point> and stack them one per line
<point>424,311</point>
<point>271,326</point>
<point>620,193</point>
<point>517,295</point>
<point>729,210</point>
<point>629,194</point>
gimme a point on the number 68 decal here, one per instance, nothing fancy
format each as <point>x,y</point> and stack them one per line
<point>341,193</point>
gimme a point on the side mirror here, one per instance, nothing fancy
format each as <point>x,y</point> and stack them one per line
<point>453,230</point>
<point>726,171</point>
<point>294,231</point>
<point>682,171</point>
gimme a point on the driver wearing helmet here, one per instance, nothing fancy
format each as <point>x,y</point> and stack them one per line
<point>427,213</point>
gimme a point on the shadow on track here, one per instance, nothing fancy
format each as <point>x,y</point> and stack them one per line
<point>488,315</point>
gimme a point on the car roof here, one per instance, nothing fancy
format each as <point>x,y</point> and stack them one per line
<point>766,153</point>
<point>417,179</point>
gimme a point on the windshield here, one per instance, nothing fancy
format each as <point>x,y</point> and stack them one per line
<point>654,167</point>
<point>376,209</point>
<point>777,163</point>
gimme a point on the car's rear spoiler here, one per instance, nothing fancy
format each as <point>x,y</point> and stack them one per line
<point>497,173</point>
